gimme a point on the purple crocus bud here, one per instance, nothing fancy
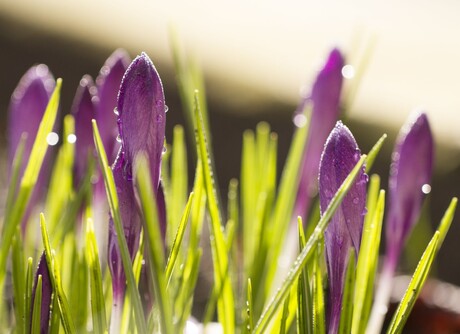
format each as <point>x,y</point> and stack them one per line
<point>410,175</point>
<point>325,96</point>
<point>27,106</point>
<point>47,291</point>
<point>141,121</point>
<point>83,109</point>
<point>340,155</point>
<point>108,84</point>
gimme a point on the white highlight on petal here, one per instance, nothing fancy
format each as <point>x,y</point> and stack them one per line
<point>52,138</point>
<point>348,71</point>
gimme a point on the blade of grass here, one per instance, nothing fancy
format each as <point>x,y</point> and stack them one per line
<point>305,301</point>
<point>319,322</point>
<point>36,313</point>
<point>225,304</point>
<point>14,178</point>
<point>284,203</point>
<point>346,313</point>
<point>368,257</point>
<point>178,240</point>
<point>179,183</point>
<point>18,281</point>
<point>28,180</point>
<point>97,292</point>
<point>63,305</point>
<point>28,293</point>
<point>306,253</point>
<point>114,210</point>
<point>446,220</point>
<point>249,309</point>
<point>415,286</point>
<point>374,152</point>
<point>154,242</point>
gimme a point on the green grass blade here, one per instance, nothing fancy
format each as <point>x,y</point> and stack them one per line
<point>368,256</point>
<point>306,253</point>
<point>178,240</point>
<point>284,315</point>
<point>28,292</point>
<point>304,295</point>
<point>284,204</point>
<point>36,313</point>
<point>64,308</point>
<point>346,313</point>
<point>154,243</point>
<point>179,183</point>
<point>415,286</point>
<point>14,178</point>
<point>374,152</point>
<point>97,292</point>
<point>319,310</point>
<point>18,281</point>
<point>114,210</point>
<point>225,304</point>
<point>28,180</point>
<point>61,183</point>
<point>446,220</point>
<point>249,309</point>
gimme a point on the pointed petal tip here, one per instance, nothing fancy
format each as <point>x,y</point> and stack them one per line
<point>38,77</point>
<point>335,61</point>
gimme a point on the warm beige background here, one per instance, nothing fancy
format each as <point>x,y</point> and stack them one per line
<point>272,48</point>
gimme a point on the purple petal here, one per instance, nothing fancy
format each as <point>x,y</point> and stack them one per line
<point>131,225</point>
<point>83,109</point>
<point>325,96</point>
<point>411,169</point>
<point>47,291</point>
<point>142,116</point>
<point>108,84</point>
<point>27,106</point>
<point>340,155</point>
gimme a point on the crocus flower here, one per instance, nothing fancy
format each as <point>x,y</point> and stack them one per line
<point>325,96</point>
<point>410,175</point>
<point>340,155</point>
<point>47,291</point>
<point>141,121</point>
<point>83,109</point>
<point>27,106</point>
<point>108,84</point>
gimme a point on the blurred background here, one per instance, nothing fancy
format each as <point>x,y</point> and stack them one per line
<point>257,59</point>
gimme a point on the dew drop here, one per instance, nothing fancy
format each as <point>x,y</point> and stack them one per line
<point>166,108</point>
<point>164,150</point>
<point>115,111</point>
<point>348,71</point>
<point>71,138</point>
<point>299,120</point>
<point>52,138</point>
<point>426,188</point>
<point>118,138</point>
<point>355,200</point>
<point>159,118</point>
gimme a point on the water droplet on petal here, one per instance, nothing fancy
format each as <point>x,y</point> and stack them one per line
<point>355,200</point>
<point>166,108</point>
<point>118,138</point>
<point>52,138</point>
<point>159,118</point>
<point>115,111</point>
<point>426,188</point>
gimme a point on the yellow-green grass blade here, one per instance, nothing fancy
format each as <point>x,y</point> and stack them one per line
<point>36,313</point>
